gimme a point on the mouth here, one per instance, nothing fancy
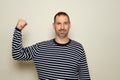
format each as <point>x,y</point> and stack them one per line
<point>62,31</point>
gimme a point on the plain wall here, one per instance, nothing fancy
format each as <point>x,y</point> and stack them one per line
<point>95,24</point>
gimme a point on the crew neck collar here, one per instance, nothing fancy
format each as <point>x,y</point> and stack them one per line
<point>59,44</point>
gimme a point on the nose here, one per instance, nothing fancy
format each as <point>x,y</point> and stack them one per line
<point>62,26</point>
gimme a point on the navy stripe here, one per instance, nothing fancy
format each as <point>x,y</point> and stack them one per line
<point>53,60</point>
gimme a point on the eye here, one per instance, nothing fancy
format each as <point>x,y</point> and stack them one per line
<point>66,23</point>
<point>58,23</point>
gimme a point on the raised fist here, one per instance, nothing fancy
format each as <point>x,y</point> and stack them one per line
<point>21,24</point>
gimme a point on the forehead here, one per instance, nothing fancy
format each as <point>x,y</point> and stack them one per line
<point>61,18</point>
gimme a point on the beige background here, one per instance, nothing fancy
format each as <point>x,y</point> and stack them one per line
<point>95,24</point>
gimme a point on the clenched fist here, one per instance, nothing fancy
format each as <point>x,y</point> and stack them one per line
<point>21,24</point>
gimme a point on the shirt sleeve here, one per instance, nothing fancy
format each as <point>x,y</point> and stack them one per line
<point>18,51</point>
<point>83,67</point>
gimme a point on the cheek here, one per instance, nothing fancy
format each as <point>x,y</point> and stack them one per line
<point>67,27</point>
<point>57,27</point>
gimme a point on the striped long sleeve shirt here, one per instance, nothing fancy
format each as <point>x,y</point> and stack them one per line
<point>53,60</point>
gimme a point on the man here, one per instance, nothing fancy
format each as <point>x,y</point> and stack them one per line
<point>60,58</point>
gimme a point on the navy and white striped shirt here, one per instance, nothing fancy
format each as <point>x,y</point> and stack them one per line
<point>53,60</point>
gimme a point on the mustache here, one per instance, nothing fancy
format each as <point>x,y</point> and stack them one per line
<point>62,30</point>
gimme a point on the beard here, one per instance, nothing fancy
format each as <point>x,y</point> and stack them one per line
<point>62,33</point>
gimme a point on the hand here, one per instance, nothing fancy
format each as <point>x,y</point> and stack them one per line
<point>21,24</point>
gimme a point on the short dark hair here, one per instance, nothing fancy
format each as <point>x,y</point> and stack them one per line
<point>61,13</point>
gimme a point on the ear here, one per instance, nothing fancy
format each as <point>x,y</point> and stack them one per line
<point>70,25</point>
<point>53,24</point>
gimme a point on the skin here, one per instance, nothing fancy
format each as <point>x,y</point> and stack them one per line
<point>61,26</point>
<point>21,24</point>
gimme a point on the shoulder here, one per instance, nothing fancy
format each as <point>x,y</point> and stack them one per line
<point>78,46</point>
<point>45,43</point>
<point>76,43</point>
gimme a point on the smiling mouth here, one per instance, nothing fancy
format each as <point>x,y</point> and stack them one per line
<point>62,30</point>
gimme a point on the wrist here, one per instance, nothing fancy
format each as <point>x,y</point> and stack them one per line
<point>18,28</point>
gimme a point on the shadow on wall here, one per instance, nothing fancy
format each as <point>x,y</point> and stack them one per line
<point>24,64</point>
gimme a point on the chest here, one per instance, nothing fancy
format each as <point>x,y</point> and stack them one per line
<point>57,56</point>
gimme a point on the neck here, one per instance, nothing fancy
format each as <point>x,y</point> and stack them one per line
<point>62,40</point>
